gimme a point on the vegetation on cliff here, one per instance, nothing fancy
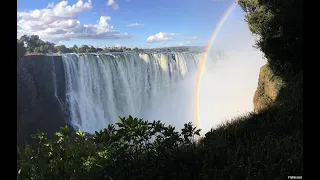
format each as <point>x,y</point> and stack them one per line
<point>278,25</point>
<point>34,45</point>
<point>269,86</point>
<point>265,145</point>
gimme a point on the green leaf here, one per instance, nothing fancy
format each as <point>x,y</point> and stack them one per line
<point>59,134</point>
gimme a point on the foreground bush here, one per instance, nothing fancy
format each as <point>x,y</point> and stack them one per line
<point>137,149</point>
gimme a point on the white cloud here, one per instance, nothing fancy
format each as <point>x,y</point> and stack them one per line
<point>113,4</point>
<point>118,45</point>
<point>59,22</point>
<point>135,25</point>
<point>161,36</point>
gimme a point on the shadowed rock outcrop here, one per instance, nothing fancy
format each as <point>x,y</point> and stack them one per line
<point>40,96</point>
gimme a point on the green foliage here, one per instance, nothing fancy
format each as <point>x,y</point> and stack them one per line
<point>106,50</point>
<point>44,48</point>
<point>278,25</point>
<point>75,49</point>
<point>62,49</point>
<point>136,149</point>
<point>32,42</point>
<point>83,49</point>
<point>86,49</point>
<point>135,49</point>
<point>36,50</point>
<point>277,81</point>
<point>35,45</point>
<point>92,49</point>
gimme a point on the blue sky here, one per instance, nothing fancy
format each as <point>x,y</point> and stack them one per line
<point>131,23</point>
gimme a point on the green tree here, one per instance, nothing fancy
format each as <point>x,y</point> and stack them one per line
<point>49,47</point>
<point>44,48</point>
<point>83,49</point>
<point>75,49</point>
<point>25,40</point>
<point>52,50</point>
<point>278,25</point>
<point>61,49</point>
<point>106,50</point>
<point>36,50</point>
<point>32,42</point>
<point>92,49</point>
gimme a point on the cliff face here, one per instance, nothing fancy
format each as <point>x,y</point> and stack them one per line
<point>40,96</point>
<point>267,90</point>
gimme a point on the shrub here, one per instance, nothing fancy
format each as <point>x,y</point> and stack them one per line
<point>278,25</point>
<point>136,149</point>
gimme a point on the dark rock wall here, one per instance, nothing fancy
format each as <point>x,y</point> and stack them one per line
<point>38,106</point>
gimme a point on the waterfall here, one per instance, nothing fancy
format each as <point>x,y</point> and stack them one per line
<point>54,78</point>
<point>101,87</point>
<point>90,91</point>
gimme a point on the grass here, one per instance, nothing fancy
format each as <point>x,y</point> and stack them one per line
<point>276,80</point>
<point>268,88</point>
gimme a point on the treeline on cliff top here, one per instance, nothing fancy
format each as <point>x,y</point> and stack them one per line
<point>34,45</point>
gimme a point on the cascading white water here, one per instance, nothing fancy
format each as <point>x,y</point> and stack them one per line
<point>159,86</point>
<point>102,87</point>
<point>54,78</point>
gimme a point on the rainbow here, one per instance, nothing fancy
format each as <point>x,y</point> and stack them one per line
<point>223,19</point>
